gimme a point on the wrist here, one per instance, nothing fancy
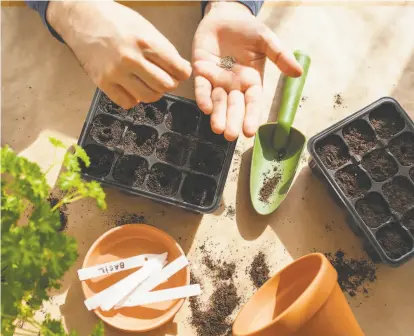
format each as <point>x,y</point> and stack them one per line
<point>57,15</point>
<point>225,6</point>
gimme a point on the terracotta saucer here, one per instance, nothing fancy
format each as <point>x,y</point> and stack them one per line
<point>127,241</point>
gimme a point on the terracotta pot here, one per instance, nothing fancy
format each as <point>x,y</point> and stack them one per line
<point>127,241</point>
<point>303,299</point>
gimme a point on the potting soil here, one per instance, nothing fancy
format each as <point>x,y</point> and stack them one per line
<point>259,270</point>
<point>271,180</point>
<point>354,275</point>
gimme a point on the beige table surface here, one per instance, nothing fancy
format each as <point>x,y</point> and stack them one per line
<point>363,52</point>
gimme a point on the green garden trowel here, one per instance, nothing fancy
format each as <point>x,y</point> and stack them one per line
<point>278,147</point>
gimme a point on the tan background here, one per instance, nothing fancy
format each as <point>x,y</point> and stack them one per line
<point>363,52</point>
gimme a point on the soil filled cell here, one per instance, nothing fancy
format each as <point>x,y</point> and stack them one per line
<point>207,134</point>
<point>198,190</point>
<point>403,148</point>
<point>163,179</point>
<point>151,114</point>
<point>130,170</point>
<point>173,148</point>
<point>408,221</point>
<point>207,159</point>
<point>400,193</point>
<point>183,118</point>
<point>107,130</point>
<point>332,151</point>
<point>380,165</point>
<point>140,140</point>
<point>359,136</point>
<point>373,209</point>
<point>394,240</point>
<point>107,105</point>
<point>101,161</point>
<point>386,120</point>
<point>353,181</point>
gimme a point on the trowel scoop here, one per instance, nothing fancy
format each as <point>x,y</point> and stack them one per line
<point>278,147</point>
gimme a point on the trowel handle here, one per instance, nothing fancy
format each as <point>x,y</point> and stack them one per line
<point>292,93</point>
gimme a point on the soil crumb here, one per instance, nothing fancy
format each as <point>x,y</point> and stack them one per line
<point>130,218</point>
<point>63,216</point>
<point>271,179</point>
<point>353,274</point>
<point>227,62</point>
<point>222,271</point>
<point>231,211</point>
<point>259,270</point>
<point>338,100</point>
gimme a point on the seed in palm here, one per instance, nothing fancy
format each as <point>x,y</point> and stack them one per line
<point>227,62</point>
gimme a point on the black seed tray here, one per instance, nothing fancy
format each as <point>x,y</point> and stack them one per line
<point>367,159</point>
<point>164,151</point>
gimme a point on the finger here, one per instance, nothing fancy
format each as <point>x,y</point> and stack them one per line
<point>218,117</point>
<point>216,75</point>
<point>235,115</point>
<point>253,98</point>
<point>139,90</point>
<point>119,96</point>
<point>203,94</point>
<point>152,75</point>
<point>284,59</point>
<point>167,57</point>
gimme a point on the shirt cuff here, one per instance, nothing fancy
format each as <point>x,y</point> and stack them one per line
<point>41,8</point>
<point>254,6</point>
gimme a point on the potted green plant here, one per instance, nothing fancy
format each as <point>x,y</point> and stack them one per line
<point>34,253</point>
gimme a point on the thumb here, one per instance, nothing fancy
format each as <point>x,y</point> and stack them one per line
<point>274,50</point>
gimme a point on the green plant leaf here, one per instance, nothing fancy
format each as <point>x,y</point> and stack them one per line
<point>57,143</point>
<point>35,256</point>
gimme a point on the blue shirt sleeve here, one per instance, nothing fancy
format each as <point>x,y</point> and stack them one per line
<point>254,6</point>
<point>41,8</point>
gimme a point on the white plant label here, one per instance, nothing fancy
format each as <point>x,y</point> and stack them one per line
<point>126,285</point>
<point>166,295</point>
<point>114,266</point>
<point>154,280</point>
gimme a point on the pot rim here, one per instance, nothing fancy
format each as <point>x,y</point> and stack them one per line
<point>312,298</point>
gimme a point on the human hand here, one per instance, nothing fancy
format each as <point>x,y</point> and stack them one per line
<point>233,96</point>
<point>121,51</point>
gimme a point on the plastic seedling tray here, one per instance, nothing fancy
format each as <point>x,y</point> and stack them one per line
<point>368,161</point>
<point>164,151</point>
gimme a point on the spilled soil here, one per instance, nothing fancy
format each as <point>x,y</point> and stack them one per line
<point>212,318</point>
<point>129,218</point>
<point>354,275</point>
<point>259,270</point>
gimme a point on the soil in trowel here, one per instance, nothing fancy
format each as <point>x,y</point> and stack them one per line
<point>353,274</point>
<point>259,270</point>
<point>271,179</point>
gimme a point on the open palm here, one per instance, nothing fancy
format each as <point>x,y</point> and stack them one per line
<point>233,96</point>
